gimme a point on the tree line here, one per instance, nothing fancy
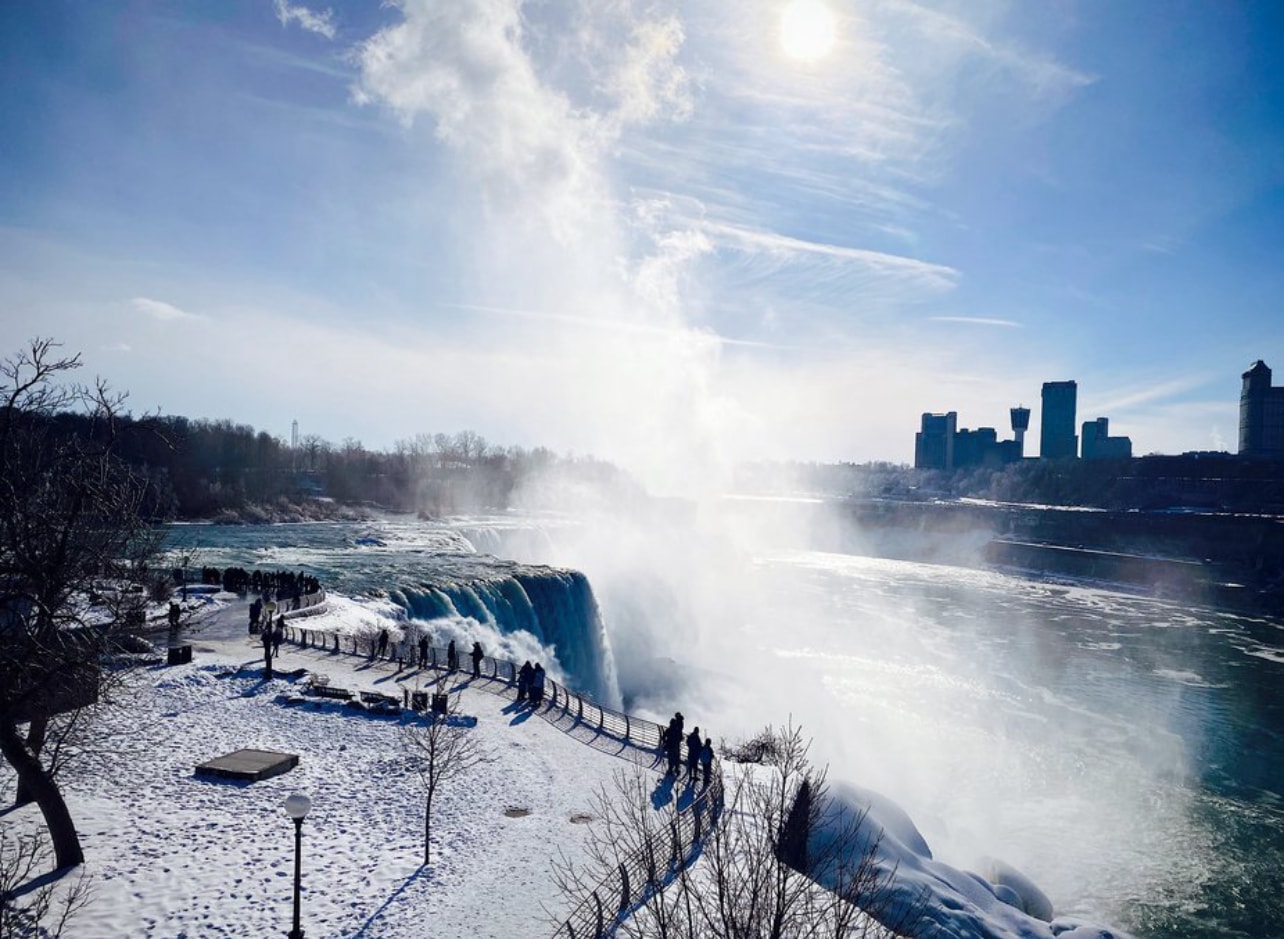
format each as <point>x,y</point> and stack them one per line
<point>221,470</point>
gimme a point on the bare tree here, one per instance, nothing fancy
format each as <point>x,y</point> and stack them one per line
<point>25,910</point>
<point>781,862</point>
<point>74,565</point>
<point>441,750</point>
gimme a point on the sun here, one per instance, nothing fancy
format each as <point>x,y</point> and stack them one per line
<point>807,29</point>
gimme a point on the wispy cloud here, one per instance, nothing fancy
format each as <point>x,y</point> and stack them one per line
<point>160,310</point>
<point>313,22</point>
<point>933,277</point>
<point>1042,76</point>
<point>1123,399</point>
<point>976,321</point>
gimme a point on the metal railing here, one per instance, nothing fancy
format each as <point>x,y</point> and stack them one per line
<point>645,871</point>
<point>648,869</point>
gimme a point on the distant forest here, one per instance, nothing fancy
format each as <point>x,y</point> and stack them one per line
<point>219,470</point>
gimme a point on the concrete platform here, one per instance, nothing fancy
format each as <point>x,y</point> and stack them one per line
<point>249,764</point>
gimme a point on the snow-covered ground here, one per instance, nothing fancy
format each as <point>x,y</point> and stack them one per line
<point>171,854</point>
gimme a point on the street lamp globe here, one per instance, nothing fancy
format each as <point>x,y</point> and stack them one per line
<point>297,805</point>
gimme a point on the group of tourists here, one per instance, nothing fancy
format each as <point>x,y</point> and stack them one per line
<point>530,683</point>
<point>452,655</point>
<point>282,586</point>
<point>699,752</point>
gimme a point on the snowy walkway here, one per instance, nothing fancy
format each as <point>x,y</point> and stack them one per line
<point>175,855</point>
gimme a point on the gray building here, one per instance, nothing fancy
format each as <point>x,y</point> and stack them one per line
<point>1056,435</point>
<point>1099,445</point>
<point>1261,414</point>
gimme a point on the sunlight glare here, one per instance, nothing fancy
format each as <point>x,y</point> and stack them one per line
<point>807,29</point>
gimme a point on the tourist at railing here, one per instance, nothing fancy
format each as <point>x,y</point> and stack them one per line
<point>537,685</point>
<point>694,746</point>
<point>524,680</point>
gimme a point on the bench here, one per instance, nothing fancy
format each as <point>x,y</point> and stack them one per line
<point>319,686</point>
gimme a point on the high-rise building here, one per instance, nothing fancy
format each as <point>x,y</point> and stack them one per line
<point>1056,435</point>
<point>1099,445</point>
<point>934,444</point>
<point>1261,414</point>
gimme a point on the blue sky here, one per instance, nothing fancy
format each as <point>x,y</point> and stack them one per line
<point>643,229</point>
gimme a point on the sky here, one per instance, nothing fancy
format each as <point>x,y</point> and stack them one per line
<point>674,235</point>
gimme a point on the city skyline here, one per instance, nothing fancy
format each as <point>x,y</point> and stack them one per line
<point>670,235</point>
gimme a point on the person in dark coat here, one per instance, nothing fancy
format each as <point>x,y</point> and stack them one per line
<point>694,745</point>
<point>537,684</point>
<point>452,657</point>
<point>423,651</point>
<point>278,635</point>
<point>256,610</point>
<point>477,655</point>
<point>383,643</point>
<point>524,680</point>
<point>706,759</point>
<point>673,744</point>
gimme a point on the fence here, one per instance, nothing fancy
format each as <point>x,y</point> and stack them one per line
<point>608,721</point>
<point>642,873</point>
<point>645,871</point>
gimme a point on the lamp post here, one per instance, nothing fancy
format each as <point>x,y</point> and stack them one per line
<point>297,806</point>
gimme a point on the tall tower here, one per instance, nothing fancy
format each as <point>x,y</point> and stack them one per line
<point>1020,424</point>
<point>1057,438</point>
<point>294,435</point>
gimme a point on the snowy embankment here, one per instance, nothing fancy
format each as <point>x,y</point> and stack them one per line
<point>171,854</point>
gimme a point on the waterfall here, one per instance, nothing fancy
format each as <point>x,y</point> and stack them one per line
<point>556,606</point>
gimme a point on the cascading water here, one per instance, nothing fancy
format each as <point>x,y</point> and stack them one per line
<point>557,607</point>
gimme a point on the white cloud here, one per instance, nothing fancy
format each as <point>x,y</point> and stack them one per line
<point>976,321</point>
<point>160,310</point>
<point>923,274</point>
<point>313,22</point>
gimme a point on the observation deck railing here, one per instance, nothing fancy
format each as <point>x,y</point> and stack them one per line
<point>646,870</point>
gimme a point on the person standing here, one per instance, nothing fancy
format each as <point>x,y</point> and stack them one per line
<point>537,684</point>
<point>477,655</point>
<point>278,635</point>
<point>383,643</point>
<point>256,610</point>
<point>524,680</point>
<point>452,657</point>
<point>423,650</point>
<point>706,759</point>
<point>694,746</point>
<point>673,744</point>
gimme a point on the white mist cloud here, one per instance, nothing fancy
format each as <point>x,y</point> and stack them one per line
<point>160,310</point>
<point>313,22</point>
<point>976,321</point>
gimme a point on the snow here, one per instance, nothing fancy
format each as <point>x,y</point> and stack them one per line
<point>171,854</point>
